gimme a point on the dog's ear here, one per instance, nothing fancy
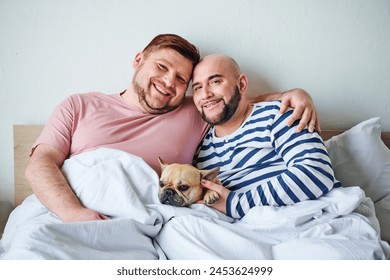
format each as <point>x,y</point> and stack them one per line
<point>210,174</point>
<point>163,164</point>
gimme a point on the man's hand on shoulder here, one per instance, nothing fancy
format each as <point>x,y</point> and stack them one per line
<point>301,102</point>
<point>304,109</point>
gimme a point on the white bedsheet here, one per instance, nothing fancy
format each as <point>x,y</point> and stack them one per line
<point>339,225</point>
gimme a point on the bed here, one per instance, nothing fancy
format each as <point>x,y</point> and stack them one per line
<point>347,223</point>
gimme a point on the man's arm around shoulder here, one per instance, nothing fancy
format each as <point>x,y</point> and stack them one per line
<point>301,102</point>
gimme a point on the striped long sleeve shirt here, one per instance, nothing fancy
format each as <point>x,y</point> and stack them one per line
<point>265,162</point>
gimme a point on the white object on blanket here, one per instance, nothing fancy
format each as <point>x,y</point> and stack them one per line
<point>339,225</point>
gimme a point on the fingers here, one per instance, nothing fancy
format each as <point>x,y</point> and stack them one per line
<point>297,114</point>
<point>221,190</point>
<point>304,110</point>
<point>86,214</point>
<point>104,217</point>
<point>314,123</point>
<point>220,205</point>
<point>284,106</point>
<point>318,125</point>
<point>210,185</point>
<point>307,118</point>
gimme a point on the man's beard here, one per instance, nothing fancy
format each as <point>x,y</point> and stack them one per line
<point>230,107</point>
<point>144,98</point>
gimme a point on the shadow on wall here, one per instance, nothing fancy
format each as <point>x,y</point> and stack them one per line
<point>258,84</point>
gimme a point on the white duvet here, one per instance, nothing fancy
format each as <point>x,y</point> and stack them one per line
<point>339,225</point>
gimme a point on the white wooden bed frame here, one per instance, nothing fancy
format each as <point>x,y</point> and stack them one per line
<point>25,135</point>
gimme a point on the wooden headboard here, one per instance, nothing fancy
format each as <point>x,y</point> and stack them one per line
<point>25,135</point>
<point>24,138</point>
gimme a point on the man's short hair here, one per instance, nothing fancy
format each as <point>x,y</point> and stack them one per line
<point>175,42</point>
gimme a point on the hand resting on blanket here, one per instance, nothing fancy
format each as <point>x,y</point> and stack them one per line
<point>48,160</point>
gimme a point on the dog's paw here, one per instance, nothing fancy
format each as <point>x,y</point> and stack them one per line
<point>211,197</point>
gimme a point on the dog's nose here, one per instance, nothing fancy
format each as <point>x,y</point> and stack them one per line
<point>169,192</point>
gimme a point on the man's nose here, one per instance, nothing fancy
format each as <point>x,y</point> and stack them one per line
<point>206,92</point>
<point>169,80</point>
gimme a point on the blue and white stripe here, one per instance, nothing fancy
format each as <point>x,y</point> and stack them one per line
<point>265,162</point>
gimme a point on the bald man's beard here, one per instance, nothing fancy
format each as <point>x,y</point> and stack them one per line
<point>229,108</point>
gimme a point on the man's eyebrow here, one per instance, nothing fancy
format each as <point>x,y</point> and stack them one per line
<point>215,76</point>
<point>209,78</point>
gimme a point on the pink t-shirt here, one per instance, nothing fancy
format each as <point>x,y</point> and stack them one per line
<point>84,122</point>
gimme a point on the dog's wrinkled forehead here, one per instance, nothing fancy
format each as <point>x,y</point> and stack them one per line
<point>179,174</point>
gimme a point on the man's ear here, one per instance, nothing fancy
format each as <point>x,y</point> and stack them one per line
<point>243,83</point>
<point>210,174</point>
<point>163,164</point>
<point>137,60</point>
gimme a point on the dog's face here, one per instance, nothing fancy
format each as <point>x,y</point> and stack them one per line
<point>180,183</point>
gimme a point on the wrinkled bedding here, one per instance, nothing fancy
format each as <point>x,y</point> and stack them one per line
<point>339,225</point>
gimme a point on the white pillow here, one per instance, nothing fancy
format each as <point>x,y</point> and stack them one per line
<point>360,158</point>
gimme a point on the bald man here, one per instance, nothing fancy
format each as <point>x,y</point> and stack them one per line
<point>263,159</point>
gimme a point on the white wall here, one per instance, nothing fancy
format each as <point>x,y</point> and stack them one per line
<point>338,50</point>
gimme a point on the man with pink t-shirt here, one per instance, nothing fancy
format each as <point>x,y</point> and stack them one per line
<point>151,118</point>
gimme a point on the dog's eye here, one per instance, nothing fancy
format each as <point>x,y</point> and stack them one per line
<point>183,188</point>
<point>161,184</point>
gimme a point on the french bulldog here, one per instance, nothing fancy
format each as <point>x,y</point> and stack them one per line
<point>180,184</point>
